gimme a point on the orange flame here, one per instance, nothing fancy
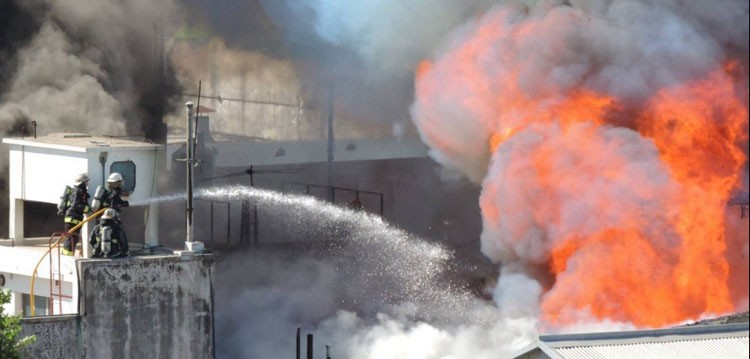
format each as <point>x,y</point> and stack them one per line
<point>648,271</point>
<point>696,128</point>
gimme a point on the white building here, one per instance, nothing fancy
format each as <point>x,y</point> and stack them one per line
<point>40,168</point>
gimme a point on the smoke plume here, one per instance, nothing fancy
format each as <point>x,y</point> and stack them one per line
<point>364,53</point>
<point>608,138</point>
<point>91,67</point>
<point>85,66</point>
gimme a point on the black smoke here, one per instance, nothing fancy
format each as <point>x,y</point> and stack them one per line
<point>17,25</point>
<point>95,67</point>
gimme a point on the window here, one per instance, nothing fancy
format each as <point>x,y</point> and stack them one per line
<point>41,305</point>
<point>127,170</point>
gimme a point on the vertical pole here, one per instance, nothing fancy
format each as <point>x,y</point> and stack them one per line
<point>59,283</point>
<point>245,221</point>
<point>50,301</point>
<point>212,221</point>
<point>255,224</point>
<point>255,211</point>
<point>328,351</point>
<point>381,204</point>
<point>243,96</point>
<point>331,142</point>
<point>309,346</point>
<point>189,180</point>
<point>298,344</point>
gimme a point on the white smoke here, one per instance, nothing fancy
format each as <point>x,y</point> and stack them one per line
<point>391,36</point>
<point>377,292</point>
<point>367,50</point>
<point>265,297</point>
<point>533,219</point>
<point>624,49</point>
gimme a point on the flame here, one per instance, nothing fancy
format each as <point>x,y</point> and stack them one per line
<point>622,201</point>
<point>643,279</point>
<point>703,153</point>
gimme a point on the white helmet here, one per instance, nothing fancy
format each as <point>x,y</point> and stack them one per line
<point>114,177</point>
<point>109,213</point>
<point>83,177</point>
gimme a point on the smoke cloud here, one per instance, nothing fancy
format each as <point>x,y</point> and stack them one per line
<point>91,67</point>
<point>85,66</point>
<point>391,37</point>
<point>585,123</point>
<point>363,52</point>
<point>627,50</point>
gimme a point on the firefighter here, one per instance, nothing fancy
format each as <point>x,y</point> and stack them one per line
<point>355,205</point>
<point>108,238</point>
<point>111,195</point>
<point>76,204</point>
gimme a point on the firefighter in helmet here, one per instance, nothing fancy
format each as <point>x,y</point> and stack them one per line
<point>111,195</point>
<point>73,205</point>
<point>108,238</point>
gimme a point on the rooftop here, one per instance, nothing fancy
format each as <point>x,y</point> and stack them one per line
<point>78,142</point>
<point>704,341</point>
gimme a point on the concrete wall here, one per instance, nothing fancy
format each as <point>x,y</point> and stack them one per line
<point>56,337</point>
<point>140,307</point>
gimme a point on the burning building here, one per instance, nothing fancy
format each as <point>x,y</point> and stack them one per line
<point>594,151</point>
<point>608,139</point>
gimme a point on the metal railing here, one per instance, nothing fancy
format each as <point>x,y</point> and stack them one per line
<point>63,236</point>
<point>332,190</point>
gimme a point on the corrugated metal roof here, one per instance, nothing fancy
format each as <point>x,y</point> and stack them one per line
<point>683,349</point>
<point>707,341</point>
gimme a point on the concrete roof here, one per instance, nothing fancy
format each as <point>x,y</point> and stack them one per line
<point>79,142</point>
<point>707,341</point>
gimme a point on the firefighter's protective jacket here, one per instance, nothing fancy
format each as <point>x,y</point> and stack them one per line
<point>119,244</point>
<point>112,199</point>
<point>78,204</point>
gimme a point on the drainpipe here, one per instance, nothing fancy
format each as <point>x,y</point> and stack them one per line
<point>103,161</point>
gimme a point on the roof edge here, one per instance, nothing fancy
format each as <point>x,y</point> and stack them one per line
<point>651,335</point>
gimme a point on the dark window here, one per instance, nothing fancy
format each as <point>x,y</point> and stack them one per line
<point>127,170</point>
<point>41,305</point>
